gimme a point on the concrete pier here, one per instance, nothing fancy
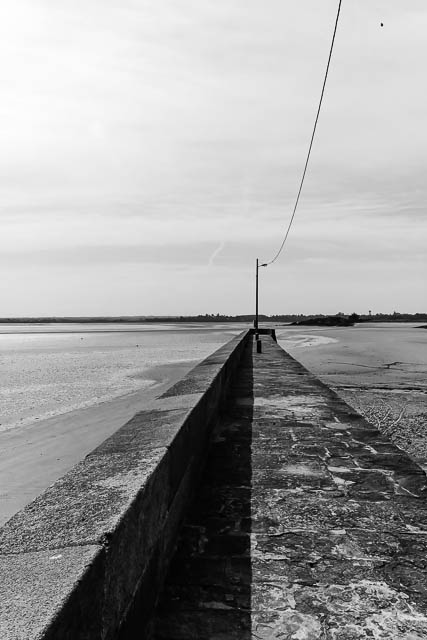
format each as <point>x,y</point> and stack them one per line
<point>91,552</point>
<point>301,520</point>
<point>308,523</point>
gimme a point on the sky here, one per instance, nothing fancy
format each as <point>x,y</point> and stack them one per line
<point>151,150</point>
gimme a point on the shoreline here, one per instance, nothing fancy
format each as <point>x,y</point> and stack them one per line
<point>65,439</point>
<point>375,372</point>
<point>150,378</point>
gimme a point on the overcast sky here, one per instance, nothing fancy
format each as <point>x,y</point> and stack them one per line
<point>151,150</point>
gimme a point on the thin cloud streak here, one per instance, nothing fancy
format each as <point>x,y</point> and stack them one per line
<point>216,253</point>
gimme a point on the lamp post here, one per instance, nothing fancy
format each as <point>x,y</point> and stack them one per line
<point>256,293</point>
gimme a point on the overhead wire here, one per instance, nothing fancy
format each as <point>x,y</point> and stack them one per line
<point>311,141</point>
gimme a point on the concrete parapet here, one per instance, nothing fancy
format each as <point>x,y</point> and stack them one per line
<point>308,523</point>
<point>265,332</point>
<point>89,555</point>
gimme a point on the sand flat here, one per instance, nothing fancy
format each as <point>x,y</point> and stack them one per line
<point>378,368</point>
<point>34,456</point>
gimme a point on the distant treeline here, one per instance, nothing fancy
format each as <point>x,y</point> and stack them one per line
<point>210,317</point>
<point>355,317</point>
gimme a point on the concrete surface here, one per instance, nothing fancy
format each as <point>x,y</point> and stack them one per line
<point>308,523</point>
<point>35,586</point>
<point>94,547</point>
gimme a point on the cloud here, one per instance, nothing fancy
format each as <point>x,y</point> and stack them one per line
<point>216,253</point>
<point>178,132</point>
<point>190,254</point>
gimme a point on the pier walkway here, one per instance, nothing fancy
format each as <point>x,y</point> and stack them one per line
<point>248,502</point>
<point>308,523</point>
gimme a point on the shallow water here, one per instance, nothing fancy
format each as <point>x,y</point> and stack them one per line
<point>50,369</point>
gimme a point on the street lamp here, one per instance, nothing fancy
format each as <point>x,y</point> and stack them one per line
<point>256,293</point>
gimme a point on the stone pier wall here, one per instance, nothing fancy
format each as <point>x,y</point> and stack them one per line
<point>90,553</point>
<point>308,524</point>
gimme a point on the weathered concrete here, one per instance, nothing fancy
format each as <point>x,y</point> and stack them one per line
<point>35,586</point>
<point>267,332</point>
<point>308,523</point>
<point>94,547</point>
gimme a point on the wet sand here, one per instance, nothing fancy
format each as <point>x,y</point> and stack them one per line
<point>34,456</point>
<point>379,369</point>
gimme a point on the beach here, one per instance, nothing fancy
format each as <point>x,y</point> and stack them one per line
<point>32,457</point>
<point>50,369</point>
<point>378,368</point>
<point>109,379</point>
<point>381,370</point>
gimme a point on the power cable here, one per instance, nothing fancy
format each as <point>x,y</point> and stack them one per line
<point>311,141</point>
